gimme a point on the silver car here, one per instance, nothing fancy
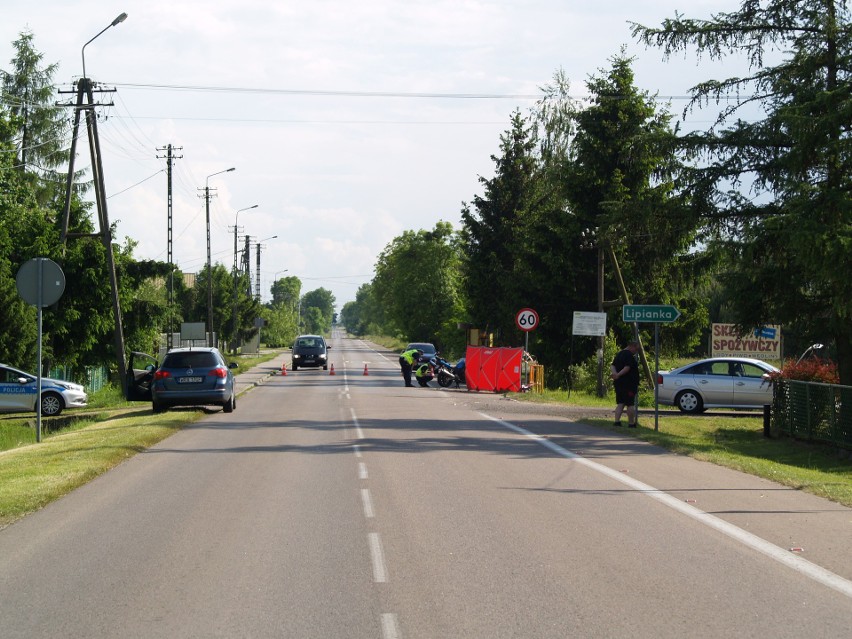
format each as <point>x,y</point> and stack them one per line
<point>18,393</point>
<point>719,382</point>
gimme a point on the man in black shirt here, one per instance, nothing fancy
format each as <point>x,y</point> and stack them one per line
<point>625,377</point>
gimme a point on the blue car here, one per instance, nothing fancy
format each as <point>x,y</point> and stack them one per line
<point>193,377</point>
<point>18,393</point>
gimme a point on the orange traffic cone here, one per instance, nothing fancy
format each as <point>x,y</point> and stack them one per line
<point>331,372</point>
<point>284,369</point>
<point>366,372</point>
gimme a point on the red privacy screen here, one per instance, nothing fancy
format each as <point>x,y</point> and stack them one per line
<point>493,369</point>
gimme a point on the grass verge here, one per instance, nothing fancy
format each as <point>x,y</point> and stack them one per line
<point>735,442</point>
<point>33,476</point>
<point>79,445</point>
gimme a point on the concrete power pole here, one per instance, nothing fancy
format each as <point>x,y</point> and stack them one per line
<point>169,238</point>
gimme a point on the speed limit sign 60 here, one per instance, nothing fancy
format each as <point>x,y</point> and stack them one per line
<point>526,319</point>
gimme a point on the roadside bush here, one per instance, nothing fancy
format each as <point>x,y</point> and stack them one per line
<point>583,377</point>
<point>809,370</point>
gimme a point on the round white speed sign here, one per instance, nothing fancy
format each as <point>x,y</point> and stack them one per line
<point>526,319</point>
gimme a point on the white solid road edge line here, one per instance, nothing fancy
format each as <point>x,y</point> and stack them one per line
<point>800,565</point>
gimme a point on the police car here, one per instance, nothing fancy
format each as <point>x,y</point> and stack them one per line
<point>18,393</point>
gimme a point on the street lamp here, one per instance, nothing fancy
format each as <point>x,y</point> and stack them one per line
<point>812,347</point>
<point>234,316</point>
<point>115,22</point>
<point>84,87</point>
<point>209,265</point>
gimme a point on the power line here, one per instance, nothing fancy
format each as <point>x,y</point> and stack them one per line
<point>351,94</point>
<point>135,185</point>
<point>387,94</point>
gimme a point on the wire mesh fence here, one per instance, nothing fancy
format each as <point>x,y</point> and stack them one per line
<point>813,411</point>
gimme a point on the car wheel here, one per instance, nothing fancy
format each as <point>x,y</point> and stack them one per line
<point>325,368</point>
<point>157,407</point>
<point>51,404</point>
<point>689,401</point>
<point>229,406</point>
<point>294,367</point>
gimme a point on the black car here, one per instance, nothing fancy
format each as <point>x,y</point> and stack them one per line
<point>428,349</point>
<point>310,350</point>
<point>193,377</point>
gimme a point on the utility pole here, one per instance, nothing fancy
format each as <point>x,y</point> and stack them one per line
<point>169,238</point>
<point>257,275</point>
<point>592,239</point>
<point>259,245</point>
<point>626,299</point>
<point>234,338</point>
<point>85,103</point>
<point>602,339</point>
<point>245,263</point>
<point>211,340</point>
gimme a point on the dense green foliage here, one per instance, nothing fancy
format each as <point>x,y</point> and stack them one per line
<point>778,188</point>
<point>317,310</point>
<point>590,205</point>
<point>417,286</point>
<point>748,222</point>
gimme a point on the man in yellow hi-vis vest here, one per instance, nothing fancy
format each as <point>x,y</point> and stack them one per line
<point>406,363</point>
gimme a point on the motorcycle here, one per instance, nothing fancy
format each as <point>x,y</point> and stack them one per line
<point>446,373</point>
<point>458,369</point>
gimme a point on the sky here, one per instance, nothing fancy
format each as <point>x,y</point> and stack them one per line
<point>347,123</point>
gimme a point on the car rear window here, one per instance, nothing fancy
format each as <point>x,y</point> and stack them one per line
<point>190,360</point>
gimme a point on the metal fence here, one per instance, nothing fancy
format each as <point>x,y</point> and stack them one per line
<point>813,411</point>
<point>96,377</point>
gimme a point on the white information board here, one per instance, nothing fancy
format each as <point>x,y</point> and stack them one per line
<point>588,323</point>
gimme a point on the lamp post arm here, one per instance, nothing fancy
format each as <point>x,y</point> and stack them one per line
<point>119,19</point>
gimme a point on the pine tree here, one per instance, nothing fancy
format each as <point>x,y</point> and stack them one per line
<point>621,181</point>
<point>789,239</point>
<point>494,235</point>
<point>41,131</point>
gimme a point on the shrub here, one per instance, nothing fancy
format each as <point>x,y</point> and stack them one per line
<point>809,370</point>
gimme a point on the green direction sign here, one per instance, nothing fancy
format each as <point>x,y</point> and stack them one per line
<point>662,313</point>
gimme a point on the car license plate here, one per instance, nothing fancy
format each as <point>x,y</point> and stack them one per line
<point>309,360</point>
<point>189,380</point>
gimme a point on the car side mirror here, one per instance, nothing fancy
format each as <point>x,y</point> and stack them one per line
<point>22,380</point>
<point>233,365</point>
<point>327,347</point>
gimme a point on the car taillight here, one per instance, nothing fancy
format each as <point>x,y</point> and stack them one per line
<point>659,380</point>
<point>162,374</point>
<point>219,372</point>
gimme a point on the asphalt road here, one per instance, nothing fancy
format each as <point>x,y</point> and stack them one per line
<point>349,506</point>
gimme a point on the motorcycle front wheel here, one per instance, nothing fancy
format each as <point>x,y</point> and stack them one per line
<point>445,380</point>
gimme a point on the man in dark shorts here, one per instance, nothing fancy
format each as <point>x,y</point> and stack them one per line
<point>625,377</point>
